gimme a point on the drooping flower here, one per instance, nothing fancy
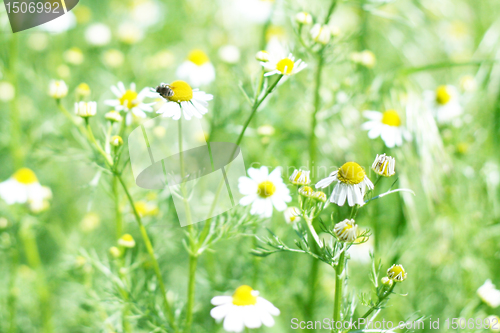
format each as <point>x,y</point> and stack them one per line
<point>282,65</point>
<point>292,214</point>
<point>489,294</point>
<point>444,103</point>
<point>346,231</point>
<point>384,165</point>
<point>23,187</point>
<point>263,190</point>
<point>197,69</point>
<point>387,125</point>
<point>351,184</point>
<point>244,309</point>
<point>130,101</point>
<point>182,100</point>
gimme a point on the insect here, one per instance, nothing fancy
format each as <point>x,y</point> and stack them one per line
<point>164,90</point>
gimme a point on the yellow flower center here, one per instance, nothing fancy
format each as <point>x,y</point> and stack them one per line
<point>285,66</point>
<point>347,227</point>
<point>198,57</point>
<point>129,99</point>
<point>25,176</point>
<point>442,95</point>
<point>266,189</point>
<point>243,296</point>
<point>391,118</point>
<point>182,91</point>
<point>351,173</point>
<point>127,238</point>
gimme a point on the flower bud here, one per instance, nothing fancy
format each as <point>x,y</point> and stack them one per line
<point>58,89</point>
<point>321,33</point>
<point>320,196</point>
<point>387,282</point>
<point>85,109</point>
<point>384,165</point>
<point>365,58</point>
<point>262,56</point>
<point>306,191</point>
<point>300,177</point>
<point>303,18</point>
<point>115,252</point>
<point>397,273</point>
<point>346,231</point>
<point>113,116</point>
<point>126,241</point>
<point>116,140</point>
<point>83,90</point>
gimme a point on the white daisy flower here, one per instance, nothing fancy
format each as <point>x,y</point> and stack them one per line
<point>346,231</point>
<point>23,187</point>
<point>244,309</point>
<point>489,294</point>
<point>58,89</point>
<point>444,103</point>
<point>283,65</point>
<point>292,214</point>
<point>351,184</point>
<point>300,177</point>
<point>263,190</point>
<point>130,101</point>
<point>182,99</point>
<point>197,69</point>
<point>387,125</point>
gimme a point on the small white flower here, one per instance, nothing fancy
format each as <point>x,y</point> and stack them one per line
<point>283,65</point>
<point>244,309</point>
<point>185,100</point>
<point>130,101</point>
<point>262,56</point>
<point>351,184</point>
<point>197,69</point>
<point>346,230</point>
<point>126,241</point>
<point>321,33</point>
<point>263,190</point>
<point>489,294</point>
<point>113,116</point>
<point>387,125</point>
<point>58,89</point>
<point>23,187</point>
<point>86,109</point>
<point>384,165</point>
<point>98,34</point>
<point>300,177</point>
<point>444,103</point>
<point>303,18</point>
<point>292,214</point>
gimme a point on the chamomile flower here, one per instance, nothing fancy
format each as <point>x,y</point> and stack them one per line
<point>321,33</point>
<point>384,165</point>
<point>263,190</point>
<point>351,184</point>
<point>292,214</point>
<point>126,241</point>
<point>244,309</point>
<point>300,177</point>
<point>346,231</point>
<point>197,69</point>
<point>489,294</point>
<point>444,103</point>
<point>397,273</point>
<point>23,187</point>
<point>283,65</point>
<point>183,100</point>
<point>387,125</point>
<point>130,101</point>
<point>58,89</point>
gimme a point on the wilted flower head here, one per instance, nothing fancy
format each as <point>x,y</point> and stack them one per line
<point>321,33</point>
<point>292,214</point>
<point>397,273</point>
<point>303,18</point>
<point>58,89</point>
<point>300,177</point>
<point>346,231</point>
<point>86,109</point>
<point>384,165</point>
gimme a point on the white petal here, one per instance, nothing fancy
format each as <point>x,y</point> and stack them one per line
<point>248,199</point>
<point>373,115</point>
<point>268,306</point>
<point>247,186</point>
<point>219,312</point>
<point>325,182</point>
<point>251,318</point>
<point>219,300</point>
<point>234,320</point>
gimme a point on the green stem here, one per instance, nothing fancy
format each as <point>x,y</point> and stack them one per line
<point>380,300</point>
<point>193,261</point>
<point>15,132</point>
<point>149,248</point>
<point>97,146</point>
<point>118,214</point>
<point>317,105</point>
<point>33,257</point>
<point>12,298</point>
<point>339,285</point>
<point>314,272</point>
